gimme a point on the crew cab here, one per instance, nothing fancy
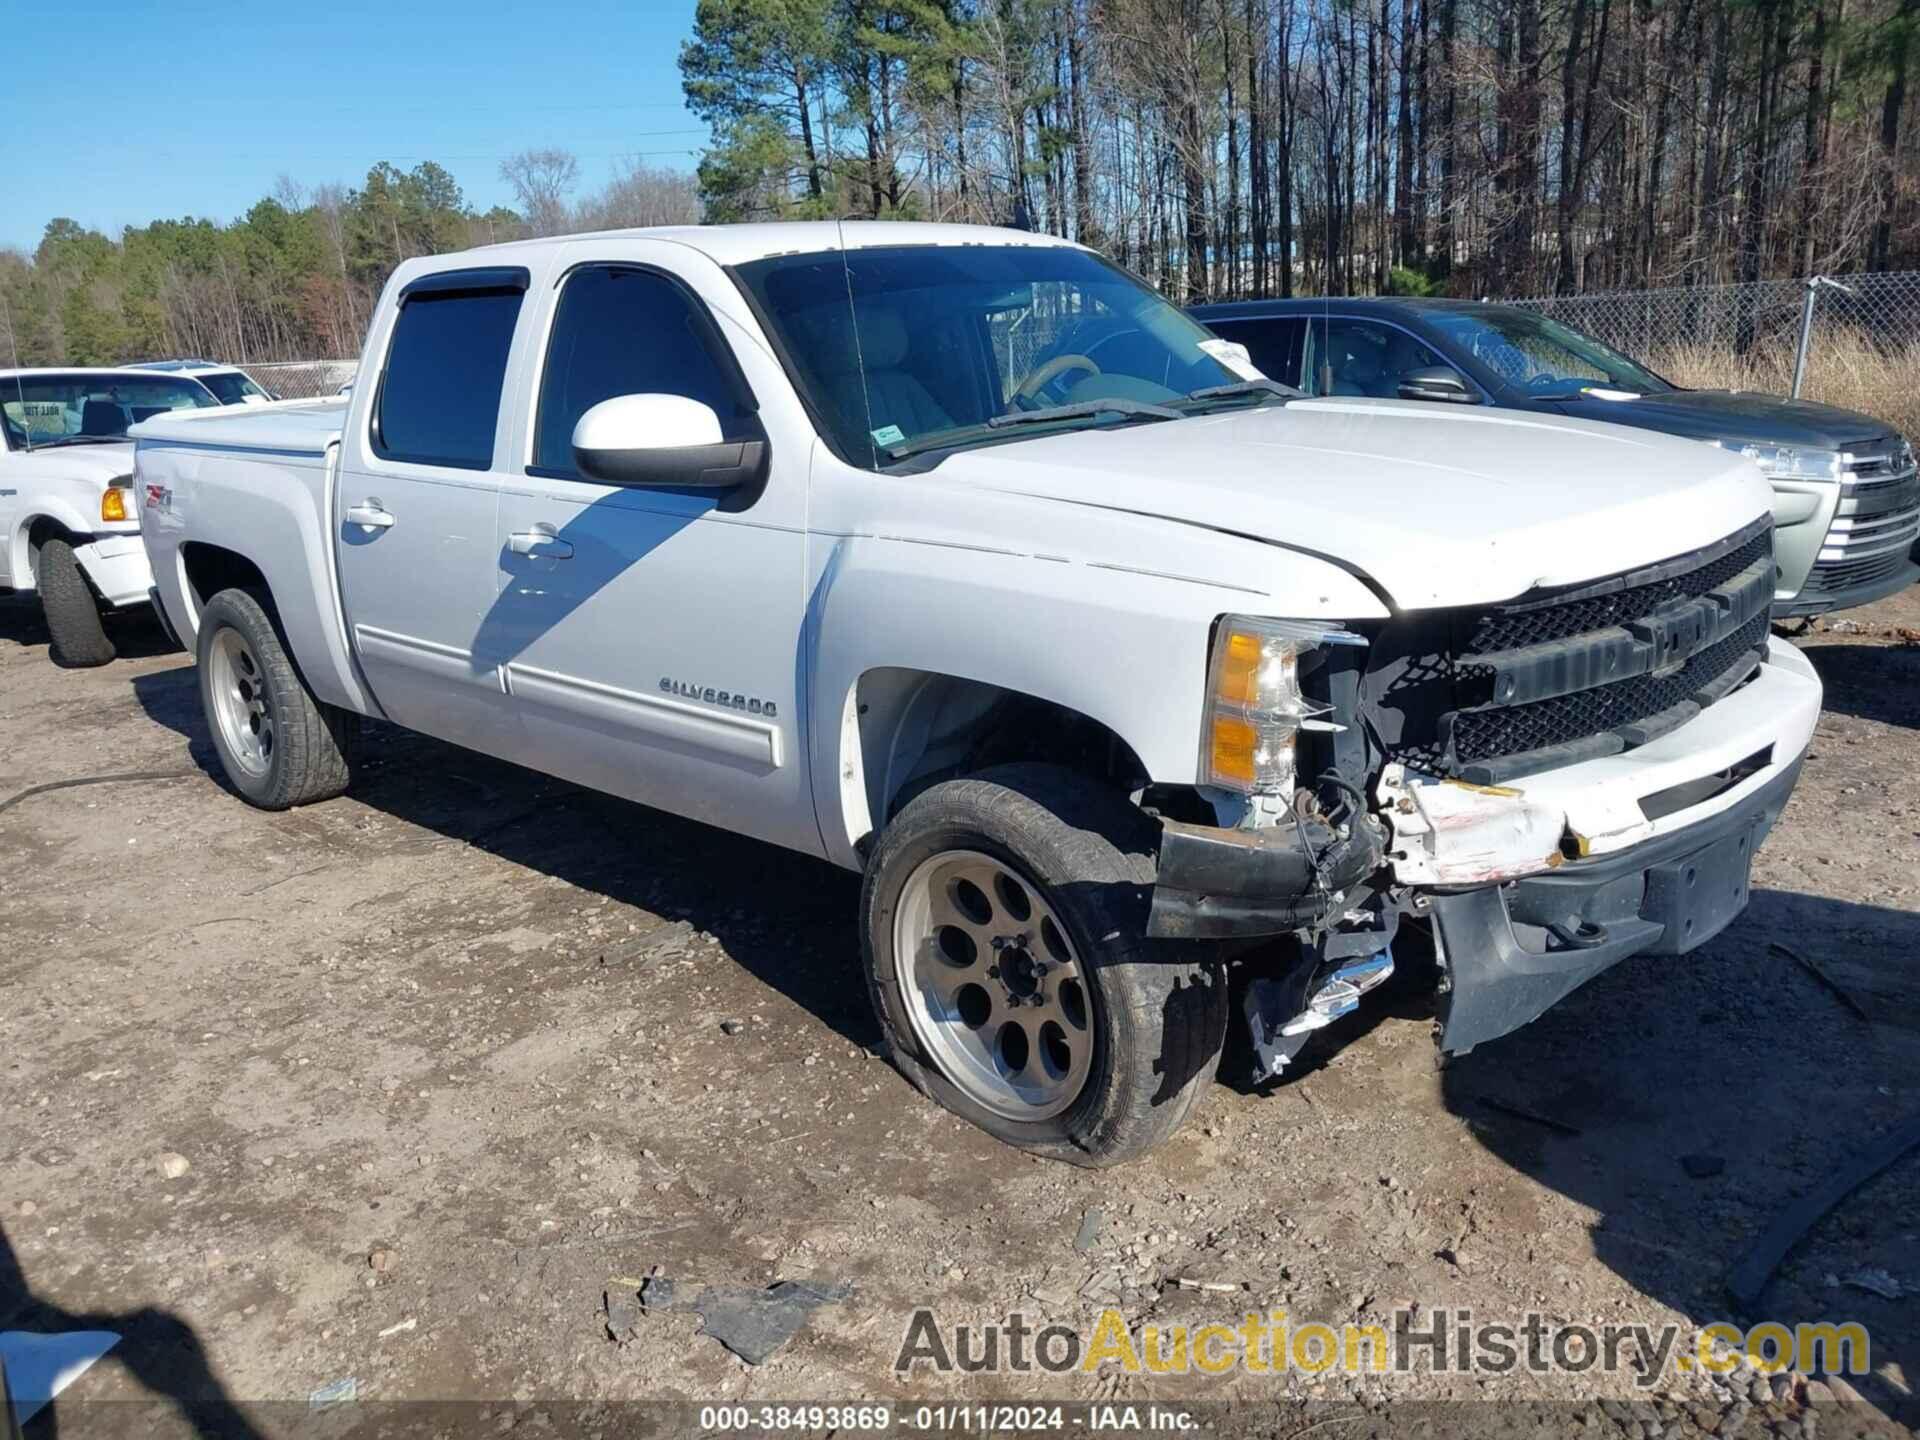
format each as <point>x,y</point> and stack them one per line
<point>1129,680</point>
<point>69,526</point>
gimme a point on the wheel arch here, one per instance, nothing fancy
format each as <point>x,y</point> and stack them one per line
<point>44,521</point>
<point>903,728</point>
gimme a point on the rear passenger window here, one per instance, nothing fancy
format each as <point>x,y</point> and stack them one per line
<point>626,332</point>
<point>440,396</point>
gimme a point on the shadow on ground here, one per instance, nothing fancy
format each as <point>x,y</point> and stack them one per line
<point>135,633</point>
<point>786,918</point>
<point>157,1348</point>
<point>1870,682</point>
<point>1715,1061</point>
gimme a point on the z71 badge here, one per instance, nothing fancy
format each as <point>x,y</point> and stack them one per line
<point>726,699</point>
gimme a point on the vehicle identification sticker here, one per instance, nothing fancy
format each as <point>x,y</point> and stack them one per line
<point>888,435</point>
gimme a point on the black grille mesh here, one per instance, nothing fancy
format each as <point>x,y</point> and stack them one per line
<point>1488,734</point>
<point>1509,629</point>
<point>1431,709</point>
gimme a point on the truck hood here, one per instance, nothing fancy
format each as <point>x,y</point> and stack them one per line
<point>1740,416</point>
<point>1435,506</point>
<point>77,464</point>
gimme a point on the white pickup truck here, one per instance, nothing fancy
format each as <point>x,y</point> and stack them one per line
<point>962,559</point>
<point>69,523</point>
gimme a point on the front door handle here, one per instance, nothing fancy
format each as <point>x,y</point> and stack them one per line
<point>369,514</point>
<point>541,542</point>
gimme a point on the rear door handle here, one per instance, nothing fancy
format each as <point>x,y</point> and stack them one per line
<point>541,542</point>
<point>369,514</point>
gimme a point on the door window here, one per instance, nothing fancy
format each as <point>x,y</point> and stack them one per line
<point>1274,344</point>
<point>621,331</point>
<point>1368,359</point>
<point>440,396</point>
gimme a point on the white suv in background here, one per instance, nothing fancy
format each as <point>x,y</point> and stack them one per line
<point>229,383</point>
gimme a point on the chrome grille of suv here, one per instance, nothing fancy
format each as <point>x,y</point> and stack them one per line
<point>1488,694</point>
<point>1877,520</point>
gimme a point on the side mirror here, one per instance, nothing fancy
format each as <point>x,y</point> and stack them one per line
<point>663,440</point>
<point>1436,382</point>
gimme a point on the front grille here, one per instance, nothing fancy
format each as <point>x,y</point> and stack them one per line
<point>1493,734</point>
<point>1532,622</point>
<point>1877,519</point>
<point>1828,577</point>
<point>1488,694</point>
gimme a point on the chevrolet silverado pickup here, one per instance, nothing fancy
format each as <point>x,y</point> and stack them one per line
<point>1129,680</point>
<point>69,525</point>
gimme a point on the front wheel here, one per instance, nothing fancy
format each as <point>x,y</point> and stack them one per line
<point>74,624</point>
<point>1005,940</point>
<point>279,745</point>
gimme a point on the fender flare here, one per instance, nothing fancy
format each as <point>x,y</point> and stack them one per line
<point>38,509</point>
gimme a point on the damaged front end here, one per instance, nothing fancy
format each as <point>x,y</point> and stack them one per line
<point>1294,893</point>
<point>1546,785</point>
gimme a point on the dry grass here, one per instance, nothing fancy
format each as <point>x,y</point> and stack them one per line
<point>1842,369</point>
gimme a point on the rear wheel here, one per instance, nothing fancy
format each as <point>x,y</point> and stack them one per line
<point>1005,937</point>
<point>74,624</point>
<point>279,745</point>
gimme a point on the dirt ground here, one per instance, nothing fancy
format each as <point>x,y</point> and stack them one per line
<point>448,1059</point>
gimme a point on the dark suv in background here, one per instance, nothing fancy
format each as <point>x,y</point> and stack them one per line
<point>1846,498</point>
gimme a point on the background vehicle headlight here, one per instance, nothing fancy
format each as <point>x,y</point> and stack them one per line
<point>1254,706</point>
<point>1789,462</point>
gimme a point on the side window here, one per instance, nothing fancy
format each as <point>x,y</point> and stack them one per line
<point>440,395</point>
<point>1274,344</point>
<point>626,332</point>
<point>1369,359</point>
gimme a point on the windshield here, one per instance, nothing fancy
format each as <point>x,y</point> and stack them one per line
<point>1542,356</point>
<point>231,387</point>
<point>903,349</point>
<point>39,412</point>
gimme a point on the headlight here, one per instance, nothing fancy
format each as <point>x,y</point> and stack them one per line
<point>1254,706</point>
<point>1789,462</point>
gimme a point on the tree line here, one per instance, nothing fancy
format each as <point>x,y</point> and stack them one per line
<point>1217,147</point>
<point>297,276</point>
<point>1267,147</point>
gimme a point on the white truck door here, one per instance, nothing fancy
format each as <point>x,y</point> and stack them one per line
<point>416,505</point>
<point>652,638</point>
<point>9,504</point>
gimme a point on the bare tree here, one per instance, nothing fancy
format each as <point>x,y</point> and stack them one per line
<point>541,180</point>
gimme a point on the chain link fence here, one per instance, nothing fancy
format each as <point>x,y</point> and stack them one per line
<point>304,379</point>
<point>1862,345</point>
<point>1880,309</point>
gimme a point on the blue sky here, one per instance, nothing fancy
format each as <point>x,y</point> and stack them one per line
<point>124,111</point>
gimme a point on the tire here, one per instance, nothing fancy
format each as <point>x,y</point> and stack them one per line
<point>1151,1016</point>
<point>78,633</point>
<point>279,746</point>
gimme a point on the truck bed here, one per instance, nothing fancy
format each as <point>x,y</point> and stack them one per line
<point>301,427</point>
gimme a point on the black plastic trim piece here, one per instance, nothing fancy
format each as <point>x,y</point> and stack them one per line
<point>1637,901</point>
<point>491,277</point>
<point>1215,883</point>
<point>729,465</point>
<point>1675,798</point>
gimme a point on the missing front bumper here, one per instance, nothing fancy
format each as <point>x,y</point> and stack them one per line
<point>1514,951</point>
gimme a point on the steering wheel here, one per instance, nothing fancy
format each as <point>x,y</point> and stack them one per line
<point>1542,383</point>
<point>1037,378</point>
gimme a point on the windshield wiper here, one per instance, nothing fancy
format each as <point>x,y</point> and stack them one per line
<point>941,439</point>
<point>81,440</point>
<point>1262,386</point>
